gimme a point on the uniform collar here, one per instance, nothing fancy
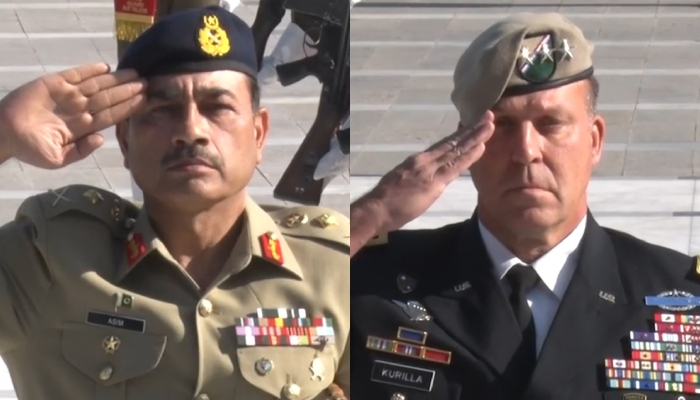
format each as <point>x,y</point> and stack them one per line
<point>260,238</point>
<point>555,267</point>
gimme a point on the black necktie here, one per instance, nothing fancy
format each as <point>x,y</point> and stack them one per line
<point>522,279</point>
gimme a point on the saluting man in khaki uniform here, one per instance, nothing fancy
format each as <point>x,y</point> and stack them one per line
<point>201,294</point>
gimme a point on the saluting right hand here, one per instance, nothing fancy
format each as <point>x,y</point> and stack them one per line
<point>413,186</point>
<point>56,120</point>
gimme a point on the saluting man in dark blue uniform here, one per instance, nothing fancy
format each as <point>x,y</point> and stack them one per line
<point>529,298</point>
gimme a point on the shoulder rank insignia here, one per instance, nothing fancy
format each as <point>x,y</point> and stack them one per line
<point>271,248</point>
<point>98,203</point>
<point>93,196</point>
<point>213,40</point>
<point>312,222</point>
<point>296,219</point>
<point>326,220</point>
<point>60,195</point>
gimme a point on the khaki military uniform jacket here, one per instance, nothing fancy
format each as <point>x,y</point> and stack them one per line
<point>92,306</point>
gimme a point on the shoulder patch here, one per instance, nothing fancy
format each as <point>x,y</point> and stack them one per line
<point>313,222</point>
<point>87,200</point>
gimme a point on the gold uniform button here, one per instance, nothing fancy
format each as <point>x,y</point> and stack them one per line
<point>202,396</point>
<point>106,373</point>
<point>398,396</point>
<point>292,391</point>
<point>205,308</point>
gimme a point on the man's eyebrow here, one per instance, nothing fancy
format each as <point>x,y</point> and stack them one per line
<point>169,94</point>
<point>213,92</point>
<point>164,93</point>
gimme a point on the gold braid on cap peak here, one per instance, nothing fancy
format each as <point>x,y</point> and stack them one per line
<point>523,53</point>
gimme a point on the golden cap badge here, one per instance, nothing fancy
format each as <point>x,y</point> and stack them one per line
<point>213,40</point>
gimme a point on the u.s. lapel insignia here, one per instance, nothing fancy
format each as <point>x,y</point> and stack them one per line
<point>135,248</point>
<point>673,300</point>
<point>462,287</point>
<point>607,296</point>
<point>271,247</point>
<point>414,310</point>
<point>213,40</point>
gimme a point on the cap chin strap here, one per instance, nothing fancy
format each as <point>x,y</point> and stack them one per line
<point>136,192</point>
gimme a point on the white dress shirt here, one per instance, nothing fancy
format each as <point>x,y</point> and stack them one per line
<point>555,269</point>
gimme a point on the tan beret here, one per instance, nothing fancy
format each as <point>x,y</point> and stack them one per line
<point>520,54</point>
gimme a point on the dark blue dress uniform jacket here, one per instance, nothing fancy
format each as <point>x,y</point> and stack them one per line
<point>603,303</point>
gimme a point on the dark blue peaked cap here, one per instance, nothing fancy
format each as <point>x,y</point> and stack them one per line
<point>204,39</point>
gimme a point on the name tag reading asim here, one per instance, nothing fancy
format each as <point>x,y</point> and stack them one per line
<point>116,321</point>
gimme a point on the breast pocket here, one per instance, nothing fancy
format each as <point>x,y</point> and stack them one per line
<point>302,373</point>
<point>111,357</point>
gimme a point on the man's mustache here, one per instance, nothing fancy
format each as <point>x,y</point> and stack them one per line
<point>192,152</point>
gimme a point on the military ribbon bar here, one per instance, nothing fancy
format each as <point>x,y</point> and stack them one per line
<point>664,337</point>
<point>677,318</point>
<point>409,350</point>
<point>665,356</point>
<point>283,327</point>
<point>665,347</point>
<point>651,365</point>
<point>653,375</point>
<point>655,386</point>
<point>676,328</point>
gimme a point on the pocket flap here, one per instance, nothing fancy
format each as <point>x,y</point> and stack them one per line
<point>289,365</point>
<point>134,353</point>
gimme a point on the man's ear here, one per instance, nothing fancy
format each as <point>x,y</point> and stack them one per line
<point>261,128</point>
<point>122,129</point>
<point>598,132</point>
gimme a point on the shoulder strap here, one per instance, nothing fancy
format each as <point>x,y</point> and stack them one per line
<point>313,222</point>
<point>83,200</point>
